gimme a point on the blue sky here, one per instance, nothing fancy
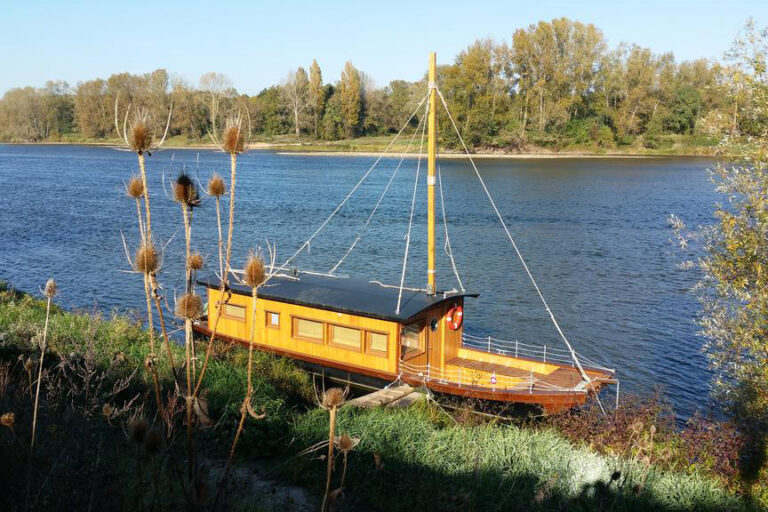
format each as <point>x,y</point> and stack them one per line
<point>256,43</point>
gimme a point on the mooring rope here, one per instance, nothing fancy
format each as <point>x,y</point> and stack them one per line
<point>514,245</point>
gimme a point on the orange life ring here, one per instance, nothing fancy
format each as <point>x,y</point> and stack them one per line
<point>455,317</point>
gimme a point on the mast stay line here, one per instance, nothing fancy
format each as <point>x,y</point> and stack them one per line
<point>514,245</point>
<point>351,192</point>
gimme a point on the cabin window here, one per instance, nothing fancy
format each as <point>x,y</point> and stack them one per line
<point>377,342</point>
<point>345,337</point>
<point>234,312</point>
<point>273,319</point>
<point>410,338</point>
<point>308,329</point>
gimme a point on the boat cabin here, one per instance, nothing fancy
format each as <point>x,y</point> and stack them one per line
<point>345,323</point>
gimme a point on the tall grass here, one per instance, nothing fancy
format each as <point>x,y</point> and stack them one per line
<point>408,459</point>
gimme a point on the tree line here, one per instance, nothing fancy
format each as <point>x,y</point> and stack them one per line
<point>554,84</point>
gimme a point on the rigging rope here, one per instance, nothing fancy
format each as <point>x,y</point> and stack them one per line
<point>381,198</point>
<point>351,192</point>
<point>410,218</point>
<point>447,248</point>
<point>514,245</point>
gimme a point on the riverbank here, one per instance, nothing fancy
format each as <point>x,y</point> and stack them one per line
<point>375,145</point>
<point>95,388</point>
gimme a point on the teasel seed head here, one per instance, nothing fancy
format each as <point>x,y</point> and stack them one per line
<point>141,135</point>
<point>138,430</point>
<point>233,141</point>
<point>333,398</point>
<point>345,443</point>
<point>135,187</point>
<point>50,288</point>
<point>254,274</point>
<point>189,307</point>
<point>185,191</point>
<point>146,260</point>
<point>216,186</point>
<point>8,419</point>
<point>29,364</point>
<point>195,261</point>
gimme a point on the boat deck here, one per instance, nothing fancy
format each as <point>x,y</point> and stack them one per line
<point>565,377</point>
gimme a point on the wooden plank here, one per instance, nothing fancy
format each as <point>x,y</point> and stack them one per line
<point>408,399</point>
<point>382,397</point>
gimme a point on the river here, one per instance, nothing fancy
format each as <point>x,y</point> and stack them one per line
<point>594,232</point>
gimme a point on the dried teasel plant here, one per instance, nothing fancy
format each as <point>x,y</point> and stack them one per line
<point>254,275</point>
<point>50,291</point>
<point>333,398</point>
<point>137,132</point>
<point>146,260</point>
<point>345,444</point>
<point>216,189</point>
<point>195,261</point>
<point>235,139</point>
<point>189,307</point>
<point>134,189</point>
<point>8,419</point>
<point>185,191</point>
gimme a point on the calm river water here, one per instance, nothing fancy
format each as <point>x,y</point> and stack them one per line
<point>594,233</point>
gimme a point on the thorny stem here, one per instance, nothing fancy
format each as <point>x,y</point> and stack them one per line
<point>329,469</point>
<point>152,370</point>
<point>162,328</point>
<point>188,342</point>
<point>344,471</point>
<point>40,374</point>
<point>221,240</point>
<point>141,221</point>
<point>143,170</point>
<point>187,334</point>
<point>37,399</point>
<point>148,238</point>
<point>233,172</point>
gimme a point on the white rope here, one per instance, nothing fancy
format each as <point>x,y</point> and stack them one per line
<point>351,192</point>
<point>410,218</point>
<point>381,198</point>
<point>512,240</point>
<point>447,248</point>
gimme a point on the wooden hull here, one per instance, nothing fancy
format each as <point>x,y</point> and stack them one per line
<point>550,401</point>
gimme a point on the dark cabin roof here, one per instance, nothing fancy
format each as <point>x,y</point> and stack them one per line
<point>343,295</point>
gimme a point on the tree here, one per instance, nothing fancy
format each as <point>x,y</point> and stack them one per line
<point>351,91</point>
<point>271,115</point>
<point>316,93</point>
<point>684,110</point>
<point>94,116</point>
<point>333,119</point>
<point>296,92</point>
<point>734,289</point>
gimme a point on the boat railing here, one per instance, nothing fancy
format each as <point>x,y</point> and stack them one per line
<point>467,377</point>
<point>514,348</point>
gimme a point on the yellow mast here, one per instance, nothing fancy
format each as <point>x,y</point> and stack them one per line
<point>431,283</point>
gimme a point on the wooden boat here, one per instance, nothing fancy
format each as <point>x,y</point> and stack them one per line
<point>369,333</point>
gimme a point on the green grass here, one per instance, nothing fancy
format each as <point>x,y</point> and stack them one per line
<point>427,461</point>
